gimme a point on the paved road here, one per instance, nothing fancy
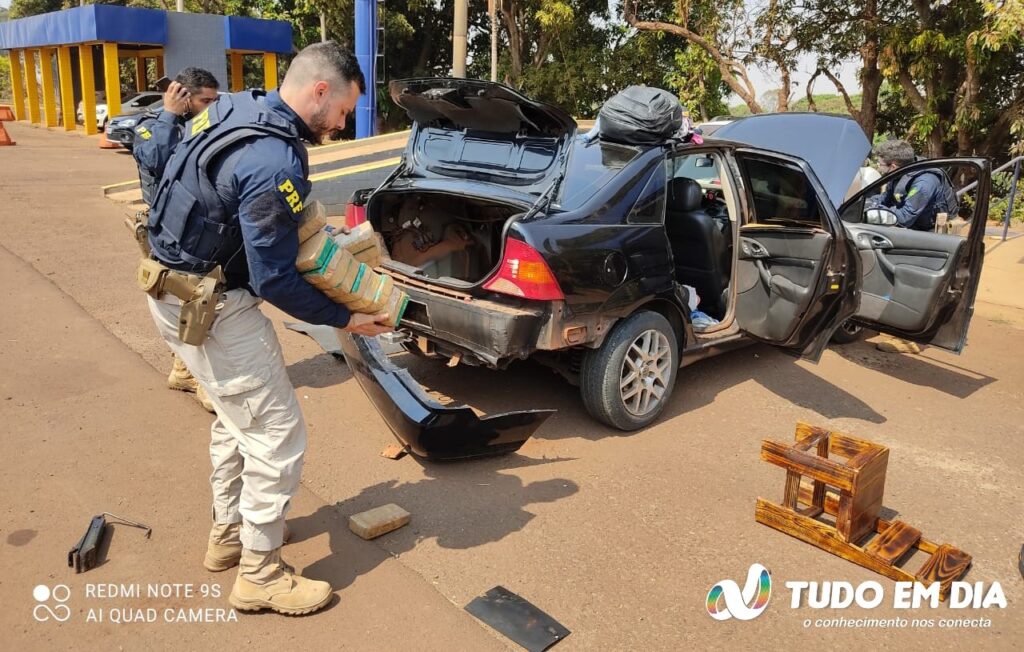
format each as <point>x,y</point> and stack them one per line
<point>617,536</point>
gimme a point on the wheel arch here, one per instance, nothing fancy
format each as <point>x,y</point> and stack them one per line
<point>670,311</point>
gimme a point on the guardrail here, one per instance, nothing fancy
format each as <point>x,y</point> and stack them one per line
<point>1016,164</point>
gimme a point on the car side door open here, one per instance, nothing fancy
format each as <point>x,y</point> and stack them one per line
<point>796,271</point>
<point>920,284</point>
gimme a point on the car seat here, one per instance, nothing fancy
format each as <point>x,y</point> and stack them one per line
<point>699,247</point>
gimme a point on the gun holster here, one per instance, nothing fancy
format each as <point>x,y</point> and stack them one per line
<point>200,296</point>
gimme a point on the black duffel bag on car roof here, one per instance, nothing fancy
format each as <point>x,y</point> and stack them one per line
<point>640,115</point>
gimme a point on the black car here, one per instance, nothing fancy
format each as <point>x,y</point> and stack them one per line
<point>121,129</point>
<point>515,237</point>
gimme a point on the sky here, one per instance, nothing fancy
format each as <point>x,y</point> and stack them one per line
<point>764,82</point>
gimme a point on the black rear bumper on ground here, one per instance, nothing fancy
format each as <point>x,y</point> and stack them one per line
<point>428,428</point>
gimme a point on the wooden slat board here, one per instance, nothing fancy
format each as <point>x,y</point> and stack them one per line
<point>893,542</point>
<point>945,566</point>
<point>812,466</point>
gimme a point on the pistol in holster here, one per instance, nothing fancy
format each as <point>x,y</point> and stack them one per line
<point>138,227</point>
<point>200,296</point>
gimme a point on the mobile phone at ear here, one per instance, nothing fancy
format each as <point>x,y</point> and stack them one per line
<point>162,84</point>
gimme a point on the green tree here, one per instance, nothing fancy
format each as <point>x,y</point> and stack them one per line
<point>960,66</point>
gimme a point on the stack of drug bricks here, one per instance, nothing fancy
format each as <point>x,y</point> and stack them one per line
<point>342,266</point>
<point>851,492</point>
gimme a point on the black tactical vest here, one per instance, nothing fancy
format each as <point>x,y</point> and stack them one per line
<point>189,228</point>
<point>148,179</point>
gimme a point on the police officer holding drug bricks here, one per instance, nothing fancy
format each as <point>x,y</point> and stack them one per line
<point>223,230</point>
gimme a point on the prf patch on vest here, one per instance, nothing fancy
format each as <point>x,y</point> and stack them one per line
<point>142,131</point>
<point>201,122</point>
<point>291,195</point>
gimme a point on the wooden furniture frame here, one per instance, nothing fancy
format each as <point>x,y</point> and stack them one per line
<point>851,492</point>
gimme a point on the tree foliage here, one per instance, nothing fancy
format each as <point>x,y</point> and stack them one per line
<point>949,75</point>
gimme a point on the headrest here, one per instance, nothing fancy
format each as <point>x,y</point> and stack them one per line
<point>685,194</point>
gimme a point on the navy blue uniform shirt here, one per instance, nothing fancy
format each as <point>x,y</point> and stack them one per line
<point>155,140</point>
<point>915,207</point>
<point>262,179</point>
<point>261,182</point>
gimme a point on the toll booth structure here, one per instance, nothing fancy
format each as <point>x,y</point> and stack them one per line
<point>64,58</point>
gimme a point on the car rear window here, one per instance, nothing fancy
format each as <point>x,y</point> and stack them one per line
<point>591,166</point>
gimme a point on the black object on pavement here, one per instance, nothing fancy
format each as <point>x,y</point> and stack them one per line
<point>517,619</point>
<point>85,554</point>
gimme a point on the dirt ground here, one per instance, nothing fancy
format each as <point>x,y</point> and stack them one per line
<point>618,536</point>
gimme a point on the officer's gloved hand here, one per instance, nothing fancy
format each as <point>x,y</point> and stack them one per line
<point>367,325</point>
<point>335,230</point>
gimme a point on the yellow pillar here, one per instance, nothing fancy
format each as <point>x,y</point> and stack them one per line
<point>237,72</point>
<point>67,89</point>
<point>140,74</point>
<point>46,80</point>
<point>17,85</point>
<point>31,87</point>
<point>88,88</point>
<point>269,71</point>
<point>112,79</point>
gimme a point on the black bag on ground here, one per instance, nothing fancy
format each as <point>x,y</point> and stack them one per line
<point>640,115</point>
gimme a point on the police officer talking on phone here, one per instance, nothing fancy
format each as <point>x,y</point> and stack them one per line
<point>223,230</point>
<point>157,133</point>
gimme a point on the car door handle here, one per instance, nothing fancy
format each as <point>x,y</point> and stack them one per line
<point>753,249</point>
<point>880,242</point>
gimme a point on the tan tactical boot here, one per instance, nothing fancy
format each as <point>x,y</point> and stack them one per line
<point>204,399</point>
<point>897,345</point>
<point>225,548</point>
<point>181,378</point>
<point>265,582</point>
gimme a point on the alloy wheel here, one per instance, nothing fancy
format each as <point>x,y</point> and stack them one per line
<point>646,372</point>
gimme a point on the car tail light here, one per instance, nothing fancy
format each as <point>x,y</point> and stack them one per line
<point>355,214</point>
<point>523,273</point>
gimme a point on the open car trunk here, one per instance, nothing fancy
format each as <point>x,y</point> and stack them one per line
<point>453,239</point>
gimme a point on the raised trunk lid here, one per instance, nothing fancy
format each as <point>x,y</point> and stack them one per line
<point>482,130</point>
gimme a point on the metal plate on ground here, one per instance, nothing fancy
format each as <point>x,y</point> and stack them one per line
<point>517,619</point>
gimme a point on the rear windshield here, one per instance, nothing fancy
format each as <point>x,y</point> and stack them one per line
<point>591,166</point>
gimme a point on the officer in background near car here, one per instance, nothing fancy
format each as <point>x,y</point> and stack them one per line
<point>157,133</point>
<point>225,217</point>
<point>915,199</point>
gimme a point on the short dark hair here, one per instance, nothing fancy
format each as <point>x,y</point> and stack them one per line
<point>194,79</point>
<point>895,151</point>
<point>327,61</point>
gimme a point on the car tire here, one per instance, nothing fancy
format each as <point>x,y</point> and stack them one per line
<point>847,333</point>
<point>634,346</point>
<point>129,146</point>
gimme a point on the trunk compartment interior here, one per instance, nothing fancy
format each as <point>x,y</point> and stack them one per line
<point>449,238</point>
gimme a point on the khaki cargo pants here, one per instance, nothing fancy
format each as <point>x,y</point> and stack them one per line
<point>259,437</point>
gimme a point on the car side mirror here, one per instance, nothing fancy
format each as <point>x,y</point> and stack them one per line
<point>704,162</point>
<point>880,217</point>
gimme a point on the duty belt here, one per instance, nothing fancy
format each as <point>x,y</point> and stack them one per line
<point>200,296</point>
